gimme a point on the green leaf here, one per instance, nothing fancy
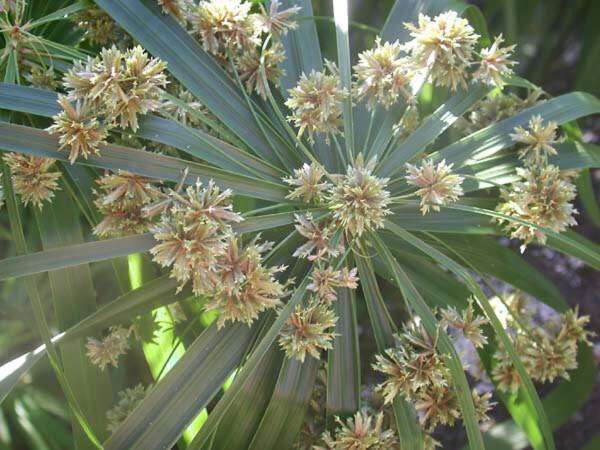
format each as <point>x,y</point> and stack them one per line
<point>494,138</point>
<point>206,433</point>
<point>340,14</point>
<point>416,301</point>
<point>588,197</point>
<point>343,360</point>
<point>285,414</point>
<point>74,299</point>
<point>37,142</point>
<point>431,129</point>
<point>160,419</point>
<point>164,37</point>
<point>60,14</point>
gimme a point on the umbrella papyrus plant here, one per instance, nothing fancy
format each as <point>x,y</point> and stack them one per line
<point>283,197</point>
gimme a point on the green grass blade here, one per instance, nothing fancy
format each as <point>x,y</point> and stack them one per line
<point>60,14</point>
<point>205,434</point>
<point>285,414</point>
<point>160,419</point>
<point>588,197</point>
<point>37,142</point>
<point>431,129</point>
<point>460,384</point>
<point>494,138</point>
<point>343,361</point>
<point>74,299</point>
<point>409,430</point>
<point>340,13</point>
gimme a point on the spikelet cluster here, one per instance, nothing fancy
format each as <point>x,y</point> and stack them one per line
<point>197,241</point>
<point>121,199</point>
<point>466,322</point>
<point>308,184</point>
<point>319,245</point>
<point>543,197</point>
<point>98,27</point>
<point>548,349</point>
<point>106,351</point>
<point>42,77</point>
<point>363,431</point>
<point>316,102</point>
<point>382,75</point>
<point>243,41</point>
<point>359,199</point>
<point>32,178</point>
<point>537,141</point>
<point>128,400</point>
<point>415,369</point>
<point>438,185</point>
<point>495,63</point>
<point>109,91</point>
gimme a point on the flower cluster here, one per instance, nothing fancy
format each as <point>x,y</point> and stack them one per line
<point>362,431</point>
<point>543,197</point>
<point>437,184</point>
<point>308,184</point>
<point>315,102</point>
<point>538,141</point>
<point>98,27</point>
<point>236,37</point>
<point>548,349</point>
<point>467,322</point>
<point>416,370</point>
<point>109,91</point>
<point>107,351</point>
<point>196,239</point>
<point>121,200</point>
<point>128,400</point>
<point>32,178</point>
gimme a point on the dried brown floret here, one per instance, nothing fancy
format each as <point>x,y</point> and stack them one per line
<point>31,178</point>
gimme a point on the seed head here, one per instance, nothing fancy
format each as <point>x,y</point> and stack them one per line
<point>31,178</point>
<point>466,321</point>
<point>307,331</point>
<point>42,77</point>
<point>444,46</point>
<point>438,185</point>
<point>359,200</point>
<point>128,400</point>
<point>381,74</point>
<point>277,22</point>
<point>543,197</point>
<point>99,28</point>
<point>538,141</point>
<point>225,26</point>
<point>78,128</point>
<point>107,351</point>
<point>316,102</point>
<point>361,432</point>
<point>251,63</point>
<point>308,183</point>
<point>177,8</point>
<point>324,282</point>
<point>319,235</point>
<point>495,63</point>
<point>121,201</point>
<point>246,286</point>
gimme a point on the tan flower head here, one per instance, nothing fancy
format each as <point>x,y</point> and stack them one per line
<point>177,8</point>
<point>359,200</point>
<point>32,178</point>
<point>225,25</point>
<point>467,322</point>
<point>361,432</point>
<point>381,75</point>
<point>128,400</point>
<point>444,46</point>
<point>98,26</point>
<point>319,235</point>
<point>495,63</point>
<point>78,129</point>
<point>543,197</point>
<point>438,185</point>
<point>308,183</point>
<point>308,331</point>
<point>538,141</point>
<point>325,282</point>
<point>277,22</point>
<point>250,65</point>
<point>247,287</point>
<point>316,102</point>
<point>121,201</point>
<point>573,327</point>
<point>107,351</point>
